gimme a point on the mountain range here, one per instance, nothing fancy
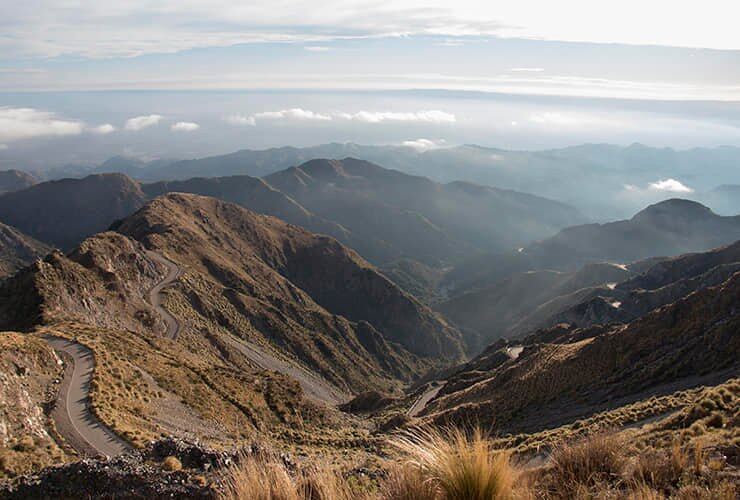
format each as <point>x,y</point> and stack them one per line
<point>603,180</point>
<point>384,214</point>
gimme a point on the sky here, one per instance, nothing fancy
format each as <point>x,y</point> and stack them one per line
<point>186,77</point>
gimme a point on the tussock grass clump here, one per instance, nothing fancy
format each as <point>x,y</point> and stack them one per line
<point>455,465</point>
<point>266,477</point>
<point>597,463</point>
<point>660,470</point>
<point>172,464</point>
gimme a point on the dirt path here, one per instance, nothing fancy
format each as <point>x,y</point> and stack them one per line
<point>422,401</point>
<point>72,414</point>
<point>155,294</point>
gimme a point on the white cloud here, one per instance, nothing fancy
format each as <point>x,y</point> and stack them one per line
<point>241,120</point>
<point>103,129</point>
<point>316,48</point>
<point>298,114</point>
<point>27,123</point>
<point>430,116</point>
<point>670,186</point>
<point>142,122</point>
<point>422,145</point>
<point>112,29</point>
<point>185,127</point>
<point>292,114</point>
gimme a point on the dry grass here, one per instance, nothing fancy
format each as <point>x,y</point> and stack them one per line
<point>267,477</point>
<point>407,482</point>
<point>588,465</point>
<point>459,465</point>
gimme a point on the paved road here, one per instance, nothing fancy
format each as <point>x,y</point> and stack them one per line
<point>72,414</point>
<point>155,294</point>
<point>422,401</point>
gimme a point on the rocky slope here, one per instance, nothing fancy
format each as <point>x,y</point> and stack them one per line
<point>270,316</point>
<point>566,373</point>
<point>249,284</point>
<point>252,253</point>
<point>18,250</point>
<point>28,372</point>
<point>63,213</point>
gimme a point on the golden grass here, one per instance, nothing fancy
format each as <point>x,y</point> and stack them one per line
<point>266,477</point>
<point>586,465</point>
<point>460,465</point>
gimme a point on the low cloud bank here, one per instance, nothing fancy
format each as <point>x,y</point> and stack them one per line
<point>433,116</point>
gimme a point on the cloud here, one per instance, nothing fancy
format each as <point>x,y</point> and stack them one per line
<point>103,129</point>
<point>27,123</point>
<point>527,70</point>
<point>670,186</point>
<point>3,147</point>
<point>141,122</point>
<point>316,48</point>
<point>292,114</point>
<point>297,114</point>
<point>422,145</point>
<point>49,28</point>
<point>430,116</point>
<point>241,120</point>
<point>185,127</point>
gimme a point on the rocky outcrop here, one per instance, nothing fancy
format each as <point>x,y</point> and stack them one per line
<point>18,250</point>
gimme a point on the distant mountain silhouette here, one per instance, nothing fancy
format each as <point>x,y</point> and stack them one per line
<point>667,228</point>
<point>14,180</point>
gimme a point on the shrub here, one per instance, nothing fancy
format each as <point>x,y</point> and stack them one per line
<point>172,464</point>
<point>660,470</point>
<point>460,466</point>
<point>267,478</point>
<point>407,482</point>
<point>593,463</point>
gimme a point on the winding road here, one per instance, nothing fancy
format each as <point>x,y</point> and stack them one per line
<point>72,413</point>
<point>73,416</point>
<point>155,294</point>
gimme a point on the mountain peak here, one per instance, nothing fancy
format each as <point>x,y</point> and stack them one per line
<point>675,207</point>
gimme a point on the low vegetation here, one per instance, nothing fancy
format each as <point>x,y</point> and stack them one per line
<point>453,464</point>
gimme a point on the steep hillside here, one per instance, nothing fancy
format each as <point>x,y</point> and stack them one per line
<point>256,195</point>
<point>501,310</point>
<point>15,180</point>
<point>64,212</point>
<point>29,372</point>
<point>668,228</point>
<point>426,221</point>
<point>662,283</point>
<point>275,325</point>
<point>17,250</point>
<point>564,374</point>
<point>252,253</point>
